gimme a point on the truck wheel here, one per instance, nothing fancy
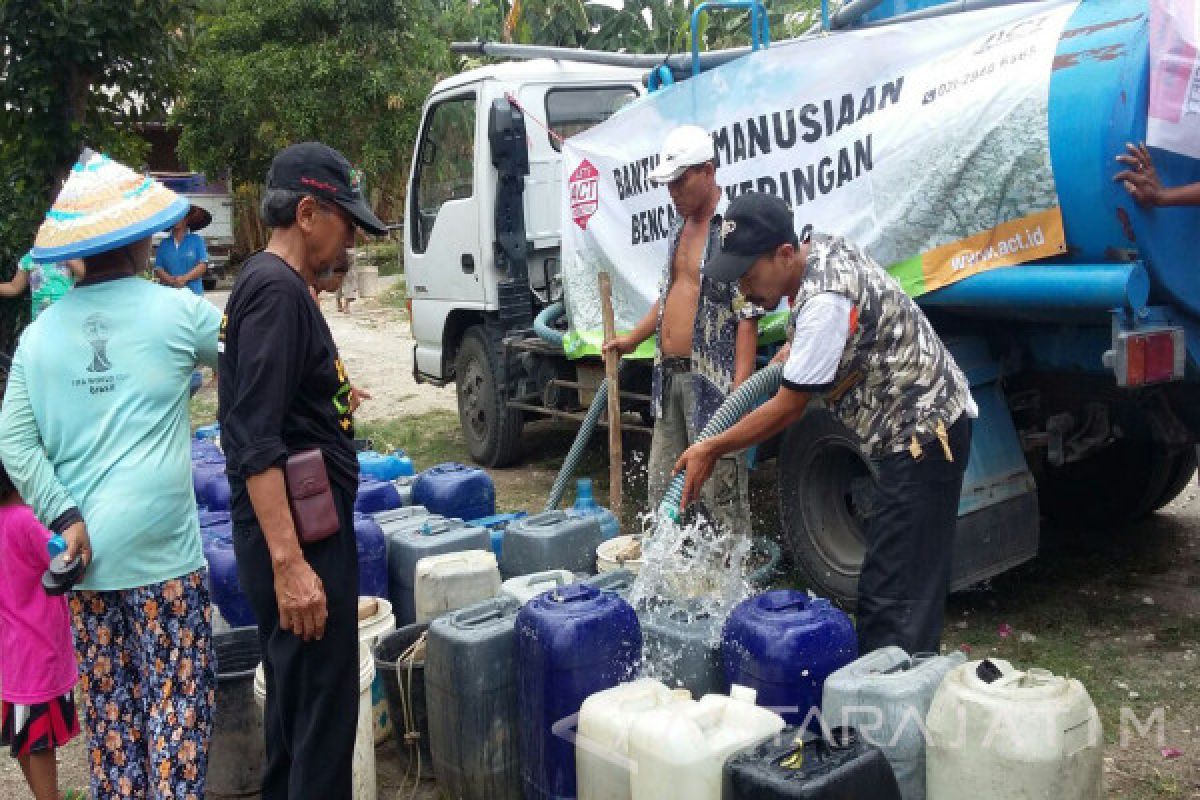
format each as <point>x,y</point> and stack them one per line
<point>491,429</point>
<point>822,473</point>
<point>1123,483</point>
<point>1182,471</point>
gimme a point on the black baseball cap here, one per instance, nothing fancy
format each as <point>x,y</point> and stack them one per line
<point>319,170</point>
<point>755,223</point>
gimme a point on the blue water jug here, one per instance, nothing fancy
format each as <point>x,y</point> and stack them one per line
<point>211,486</point>
<point>209,432</point>
<point>381,467</point>
<point>586,506</point>
<point>784,644</point>
<point>571,643</point>
<point>372,557</point>
<point>212,519</point>
<point>205,451</point>
<point>223,579</point>
<point>456,491</point>
<point>376,496</point>
<point>497,524</point>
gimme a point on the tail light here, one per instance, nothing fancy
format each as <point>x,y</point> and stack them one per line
<point>1148,357</point>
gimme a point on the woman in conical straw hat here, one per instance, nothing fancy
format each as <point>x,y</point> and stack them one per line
<point>95,434</point>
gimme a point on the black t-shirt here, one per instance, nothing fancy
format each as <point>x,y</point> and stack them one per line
<point>282,387</point>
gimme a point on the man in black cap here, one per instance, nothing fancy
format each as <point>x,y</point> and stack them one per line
<point>284,390</point>
<point>858,341</point>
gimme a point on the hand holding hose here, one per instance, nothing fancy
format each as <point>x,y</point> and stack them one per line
<point>697,463</point>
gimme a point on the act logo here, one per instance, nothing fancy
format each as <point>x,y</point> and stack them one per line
<point>584,185</point>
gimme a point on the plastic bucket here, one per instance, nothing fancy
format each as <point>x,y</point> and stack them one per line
<point>612,555</point>
<point>370,630</point>
<point>236,751</point>
<point>364,738</point>
<point>405,690</point>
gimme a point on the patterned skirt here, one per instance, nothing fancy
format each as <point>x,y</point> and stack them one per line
<point>39,727</point>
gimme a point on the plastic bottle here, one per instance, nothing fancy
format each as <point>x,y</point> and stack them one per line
<point>586,506</point>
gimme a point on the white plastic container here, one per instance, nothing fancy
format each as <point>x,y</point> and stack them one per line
<point>371,629</point>
<point>886,695</point>
<point>679,750</point>
<point>451,581</point>
<point>1012,735</point>
<point>524,588</point>
<point>364,735</point>
<point>620,552</point>
<point>602,763</point>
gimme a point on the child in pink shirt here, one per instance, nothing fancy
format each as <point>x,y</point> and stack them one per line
<point>37,654</point>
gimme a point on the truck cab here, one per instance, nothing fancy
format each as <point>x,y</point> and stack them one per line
<point>481,245</point>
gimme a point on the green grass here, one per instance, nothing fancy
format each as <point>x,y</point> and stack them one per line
<point>396,296</point>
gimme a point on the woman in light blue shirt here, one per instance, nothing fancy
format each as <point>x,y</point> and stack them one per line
<point>182,258</point>
<point>95,433</point>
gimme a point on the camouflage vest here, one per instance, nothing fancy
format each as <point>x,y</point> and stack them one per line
<point>896,383</point>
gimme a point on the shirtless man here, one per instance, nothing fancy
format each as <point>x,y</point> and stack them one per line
<point>707,335</point>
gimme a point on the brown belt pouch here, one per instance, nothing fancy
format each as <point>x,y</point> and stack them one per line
<point>310,497</point>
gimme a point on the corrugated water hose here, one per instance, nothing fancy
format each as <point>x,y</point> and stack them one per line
<point>595,411</point>
<point>763,383</point>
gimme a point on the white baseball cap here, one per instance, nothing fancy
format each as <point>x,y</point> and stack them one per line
<point>686,146</point>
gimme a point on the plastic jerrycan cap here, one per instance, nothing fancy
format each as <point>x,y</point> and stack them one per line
<point>988,672</point>
<point>62,575</point>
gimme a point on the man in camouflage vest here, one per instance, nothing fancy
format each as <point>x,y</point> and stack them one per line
<point>859,342</point>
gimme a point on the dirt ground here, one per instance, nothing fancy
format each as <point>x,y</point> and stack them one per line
<point>1119,611</point>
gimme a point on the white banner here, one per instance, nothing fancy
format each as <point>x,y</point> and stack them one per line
<point>1174,119</point>
<point>926,143</point>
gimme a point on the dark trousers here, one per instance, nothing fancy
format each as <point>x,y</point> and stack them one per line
<point>312,687</point>
<point>910,546</point>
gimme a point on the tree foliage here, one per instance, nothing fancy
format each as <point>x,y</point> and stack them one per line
<point>75,72</point>
<point>350,73</point>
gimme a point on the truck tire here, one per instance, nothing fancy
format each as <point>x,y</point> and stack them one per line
<point>821,473</point>
<point>492,430</point>
<point>1182,471</point>
<point>1123,483</point>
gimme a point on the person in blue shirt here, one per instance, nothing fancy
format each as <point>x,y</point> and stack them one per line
<point>182,258</point>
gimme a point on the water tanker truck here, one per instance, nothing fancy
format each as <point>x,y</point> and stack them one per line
<point>1075,313</point>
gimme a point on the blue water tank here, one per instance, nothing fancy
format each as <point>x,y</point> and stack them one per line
<point>372,557</point>
<point>586,506</point>
<point>375,496</point>
<point>211,486</point>
<point>456,491</point>
<point>384,467</point>
<point>784,644</point>
<point>223,579</point>
<point>571,643</point>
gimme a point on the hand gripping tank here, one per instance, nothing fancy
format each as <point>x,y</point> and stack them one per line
<point>679,750</point>
<point>797,765</point>
<point>456,490</point>
<point>451,581</point>
<point>571,643</point>
<point>681,643</point>
<point>1011,734</point>
<point>471,696</point>
<point>886,695</point>
<point>550,540</point>
<point>602,764</point>
<point>784,644</point>
<point>408,543</point>
<point>372,557</point>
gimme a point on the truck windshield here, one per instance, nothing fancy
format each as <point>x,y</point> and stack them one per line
<point>572,111</point>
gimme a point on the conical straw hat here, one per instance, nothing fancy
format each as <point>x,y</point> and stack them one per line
<point>104,205</point>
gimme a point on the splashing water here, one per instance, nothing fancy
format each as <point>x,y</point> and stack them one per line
<point>692,577</point>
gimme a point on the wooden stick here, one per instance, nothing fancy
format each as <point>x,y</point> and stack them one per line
<point>615,456</point>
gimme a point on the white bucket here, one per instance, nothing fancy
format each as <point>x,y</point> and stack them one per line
<point>370,631</point>
<point>612,555</point>
<point>368,280</point>
<point>364,738</point>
